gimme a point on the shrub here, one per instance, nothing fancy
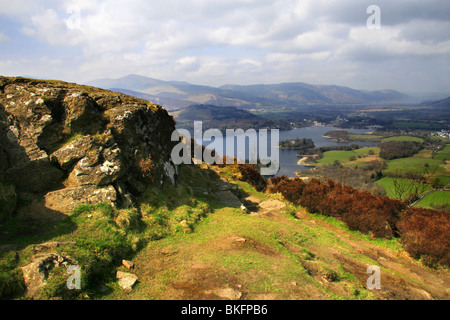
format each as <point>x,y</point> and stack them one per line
<point>252,176</point>
<point>291,189</point>
<point>147,169</point>
<point>426,234</point>
<point>399,149</point>
<point>374,215</point>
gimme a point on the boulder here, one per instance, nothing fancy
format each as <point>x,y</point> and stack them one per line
<point>35,273</point>
<point>66,200</point>
<point>73,152</point>
<point>109,135</point>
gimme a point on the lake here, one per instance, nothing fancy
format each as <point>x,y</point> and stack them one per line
<point>289,159</point>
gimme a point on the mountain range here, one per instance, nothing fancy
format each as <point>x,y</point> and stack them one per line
<point>175,95</point>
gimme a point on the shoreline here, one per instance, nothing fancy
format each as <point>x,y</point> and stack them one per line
<point>301,162</point>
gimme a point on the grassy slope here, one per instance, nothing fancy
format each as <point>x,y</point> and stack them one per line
<point>283,257</point>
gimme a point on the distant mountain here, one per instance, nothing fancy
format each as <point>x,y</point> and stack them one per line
<point>176,95</point>
<point>445,103</point>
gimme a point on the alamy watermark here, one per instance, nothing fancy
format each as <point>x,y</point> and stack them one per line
<point>74,20</point>
<point>260,144</point>
<point>374,281</point>
<point>374,21</point>
<point>74,281</point>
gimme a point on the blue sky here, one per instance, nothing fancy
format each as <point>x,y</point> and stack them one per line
<point>214,43</point>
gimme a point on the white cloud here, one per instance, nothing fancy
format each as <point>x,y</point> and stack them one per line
<point>206,41</point>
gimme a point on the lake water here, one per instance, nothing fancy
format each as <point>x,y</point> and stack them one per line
<point>288,158</point>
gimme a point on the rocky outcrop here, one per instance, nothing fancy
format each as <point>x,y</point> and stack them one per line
<point>74,144</point>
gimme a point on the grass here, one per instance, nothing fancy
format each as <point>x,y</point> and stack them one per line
<point>330,157</point>
<point>403,138</point>
<point>415,164</point>
<point>279,250</point>
<point>271,259</point>
<point>435,199</point>
<point>388,184</point>
<point>365,137</point>
<point>443,154</point>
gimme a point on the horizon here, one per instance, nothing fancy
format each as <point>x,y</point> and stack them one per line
<point>237,43</point>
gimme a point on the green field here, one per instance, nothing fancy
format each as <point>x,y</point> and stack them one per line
<point>416,164</point>
<point>388,184</point>
<point>330,157</point>
<point>403,138</point>
<point>443,154</point>
<point>365,137</point>
<point>436,198</point>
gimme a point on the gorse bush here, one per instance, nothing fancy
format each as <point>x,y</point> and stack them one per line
<point>291,189</point>
<point>426,234</point>
<point>250,174</point>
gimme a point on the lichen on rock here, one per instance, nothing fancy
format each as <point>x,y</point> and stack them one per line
<point>71,144</point>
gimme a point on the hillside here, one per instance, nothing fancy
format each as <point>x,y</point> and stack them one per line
<point>444,103</point>
<point>86,181</point>
<point>174,94</point>
<point>223,118</point>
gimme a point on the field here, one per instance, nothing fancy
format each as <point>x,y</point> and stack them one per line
<point>388,184</point>
<point>344,156</point>
<point>365,137</point>
<point>444,154</point>
<point>433,199</point>
<point>403,138</point>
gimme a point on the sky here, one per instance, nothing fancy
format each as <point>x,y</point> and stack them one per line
<point>404,46</point>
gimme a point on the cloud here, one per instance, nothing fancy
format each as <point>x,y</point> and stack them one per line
<point>242,41</point>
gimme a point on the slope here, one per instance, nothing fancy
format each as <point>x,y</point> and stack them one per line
<point>274,252</point>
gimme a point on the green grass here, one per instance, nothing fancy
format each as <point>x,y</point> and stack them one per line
<point>433,199</point>
<point>365,137</point>
<point>415,164</point>
<point>388,184</point>
<point>444,153</point>
<point>403,138</point>
<point>330,157</point>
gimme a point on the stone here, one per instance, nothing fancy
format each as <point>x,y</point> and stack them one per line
<point>35,273</point>
<point>229,199</point>
<point>65,200</point>
<point>71,153</point>
<point>272,205</point>
<point>228,293</point>
<point>116,132</point>
<point>128,264</point>
<point>122,275</point>
<point>127,283</point>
